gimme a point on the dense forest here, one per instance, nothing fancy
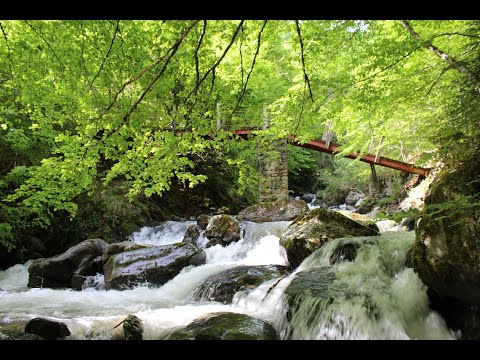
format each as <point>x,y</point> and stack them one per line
<point>106,124</point>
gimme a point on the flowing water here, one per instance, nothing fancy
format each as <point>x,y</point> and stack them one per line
<point>377,274</point>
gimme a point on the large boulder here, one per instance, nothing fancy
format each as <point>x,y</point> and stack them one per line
<point>119,247</point>
<point>273,211</point>
<point>155,265</point>
<point>223,227</point>
<point>222,287</point>
<point>58,270</point>
<point>225,326</point>
<point>47,329</point>
<point>446,251</point>
<point>311,230</point>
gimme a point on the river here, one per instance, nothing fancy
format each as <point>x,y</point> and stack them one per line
<point>377,272</point>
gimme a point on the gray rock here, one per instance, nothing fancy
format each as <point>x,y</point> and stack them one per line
<point>155,265</point>
<point>202,221</point>
<point>57,271</point>
<point>192,234</point>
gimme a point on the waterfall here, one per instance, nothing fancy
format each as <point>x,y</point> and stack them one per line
<point>378,298</point>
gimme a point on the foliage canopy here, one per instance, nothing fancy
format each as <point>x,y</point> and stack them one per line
<point>83,101</point>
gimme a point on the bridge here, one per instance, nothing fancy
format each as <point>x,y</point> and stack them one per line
<point>332,148</point>
<point>273,171</point>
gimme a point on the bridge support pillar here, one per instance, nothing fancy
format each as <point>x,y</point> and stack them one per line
<point>273,171</point>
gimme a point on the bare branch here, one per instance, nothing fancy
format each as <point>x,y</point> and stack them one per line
<point>456,33</point>
<point>117,29</point>
<point>8,47</point>
<point>220,59</point>
<point>441,54</point>
<point>444,70</point>
<point>244,89</point>
<point>212,69</point>
<point>46,42</point>
<point>197,71</point>
<point>305,76</point>
<point>172,52</point>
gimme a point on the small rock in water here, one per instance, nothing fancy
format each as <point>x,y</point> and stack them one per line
<point>130,328</point>
<point>47,329</point>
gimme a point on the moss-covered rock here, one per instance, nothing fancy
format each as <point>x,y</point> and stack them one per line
<point>223,286</point>
<point>273,211</point>
<point>446,251</point>
<point>131,328</point>
<point>225,326</point>
<point>223,227</point>
<point>314,228</point>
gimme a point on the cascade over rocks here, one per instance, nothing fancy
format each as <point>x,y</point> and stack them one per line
<point>310,231</point>
<point>155,265</point>
<point>58,270</point>
<point>273,211</point>
<point>222,286</point>
<point>225,326</point>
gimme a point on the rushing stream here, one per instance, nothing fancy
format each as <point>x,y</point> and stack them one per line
<point>400,303</point>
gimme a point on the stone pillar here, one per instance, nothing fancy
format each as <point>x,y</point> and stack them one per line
<point>273,171</point>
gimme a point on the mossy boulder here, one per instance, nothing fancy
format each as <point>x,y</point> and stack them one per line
<point>446,251</point>
<point>223,227</point>
<point>57,271</point>
<point>313,229</point>
<point>225,326</point>
<point>153,265</point>
<point>273,211</point>
<point>223,286</point>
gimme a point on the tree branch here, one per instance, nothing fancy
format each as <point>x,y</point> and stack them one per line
<point>197,71</point>
<point>212,69</point>
<point>219,60</point>
<point>8,48</point>
<point>441,54</point>
<point>46,42</point>
<point>172,52</point>
<point>117,29</point>
<point>244,89</point>
<point>444,70</point>
<point>305,76</point>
